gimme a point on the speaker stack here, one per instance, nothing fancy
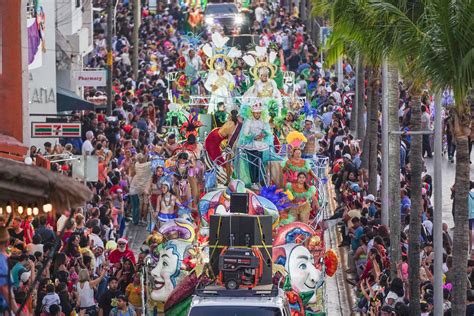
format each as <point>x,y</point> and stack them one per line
<point>242,231</point>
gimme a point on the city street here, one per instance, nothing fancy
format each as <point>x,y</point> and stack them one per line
<point>202,158</point>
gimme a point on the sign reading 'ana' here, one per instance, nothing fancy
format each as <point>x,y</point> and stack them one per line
<point>91,78</point>
<point>51,130</point>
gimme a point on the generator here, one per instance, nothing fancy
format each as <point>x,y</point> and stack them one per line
<point>240,267</point>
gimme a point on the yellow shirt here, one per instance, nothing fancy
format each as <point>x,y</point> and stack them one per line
<point>134,294</point>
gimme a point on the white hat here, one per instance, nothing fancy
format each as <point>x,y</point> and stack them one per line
<point>370,197</point>
<point>257,107</point>
<point>347,156</point>
<point>122,240</point>
<point>25,276</point>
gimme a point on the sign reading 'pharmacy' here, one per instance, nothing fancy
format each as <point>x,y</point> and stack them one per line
<point>91,78</point>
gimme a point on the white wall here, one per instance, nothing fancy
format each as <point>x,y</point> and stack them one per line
<point>69,17</point>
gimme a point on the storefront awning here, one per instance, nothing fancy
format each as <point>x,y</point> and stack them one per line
<point>69,101</point>
<point>28,184</point>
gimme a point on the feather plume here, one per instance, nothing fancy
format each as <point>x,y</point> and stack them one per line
<point>261,51</point>
<point>207,49</point>
<point>276,196</point>
<point>234,53</point>
<point>249,60</point>
<point>272,57</point>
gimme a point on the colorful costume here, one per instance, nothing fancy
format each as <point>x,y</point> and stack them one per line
<point>303,195</point>
<point>256,138</point>
<point>213,141</point>
<point>220,81</point>
<point>263,71</point>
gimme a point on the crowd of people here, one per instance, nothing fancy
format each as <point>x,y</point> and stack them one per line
<point>359,217</point>
<point>80,260</point>
<point>83,259</point>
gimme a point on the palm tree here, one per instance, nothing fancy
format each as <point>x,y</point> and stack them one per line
<point>393,166</point>
<point>373,127</point>
<point>440,42</point>
<point>352,24</point>
<point>360,95</point>
<point>416,164</point>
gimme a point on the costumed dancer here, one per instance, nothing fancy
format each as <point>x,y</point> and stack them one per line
<point>304,198</point>
<point>256,139</point>
<point>213,141</point>
<point>263,70</point>
<point>312,135</point>
<point>295,164</point>
<point>166,204</point>
<point>220,81</point>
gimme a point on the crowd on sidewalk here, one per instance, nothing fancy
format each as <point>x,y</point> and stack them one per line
<point>358,216</point>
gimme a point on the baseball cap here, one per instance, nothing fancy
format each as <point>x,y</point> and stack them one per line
<point>347,156</point>
<point>370,197</point>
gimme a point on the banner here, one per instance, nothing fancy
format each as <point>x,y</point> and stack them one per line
<point>91,78</point>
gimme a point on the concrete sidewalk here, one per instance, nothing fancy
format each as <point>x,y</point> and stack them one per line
<point>339,296</point>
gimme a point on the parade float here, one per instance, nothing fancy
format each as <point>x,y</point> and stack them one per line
<point>232,204</point>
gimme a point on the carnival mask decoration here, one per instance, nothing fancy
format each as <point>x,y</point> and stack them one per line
<point>167,273</point>
<point>290,252</point>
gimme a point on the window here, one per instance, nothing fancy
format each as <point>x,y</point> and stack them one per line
<point>234,311</point>
<point>78,3</point>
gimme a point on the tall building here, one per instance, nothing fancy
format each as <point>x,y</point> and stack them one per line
<point>60,35</point>
<point>14,128</point>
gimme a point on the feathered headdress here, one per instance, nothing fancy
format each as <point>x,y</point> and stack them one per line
<point>276,196</point>
<point>193,41</point>
<point>246,112</point>
<point>190,127</point>
<point>295,139</point>
<point>260,62</point>
<point>219,53</point>
<point>175,110</point>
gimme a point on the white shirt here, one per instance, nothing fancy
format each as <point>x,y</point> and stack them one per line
<point>97,240</point>
<point>429,226</point>
<point>259,14</point>
<point>32,248</point>
<point>254,128</point>
<point>337,96</point>
<point>87,147</point>
<point>61,222</point>
<point>86,295</point>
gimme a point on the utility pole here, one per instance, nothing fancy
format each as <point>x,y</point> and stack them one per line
<point>340,72</point>
<point>136,27</point>
<point>110,61</point>
<point>438,212</point>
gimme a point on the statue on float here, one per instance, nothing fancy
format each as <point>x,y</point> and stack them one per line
<point>220,81</point>
<point>263,71</point>
<point>299,255</point>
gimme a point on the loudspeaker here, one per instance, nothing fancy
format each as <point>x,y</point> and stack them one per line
<point>244,231</point>
<point>239,203</point>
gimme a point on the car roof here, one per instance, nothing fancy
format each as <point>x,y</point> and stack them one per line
<point>277,301</point>
<point>221,5</point>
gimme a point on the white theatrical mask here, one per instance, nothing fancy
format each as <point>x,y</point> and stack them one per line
<point>167,272</point>
<point>303,274</point>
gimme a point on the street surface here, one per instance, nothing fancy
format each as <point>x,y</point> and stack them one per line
<point>448,173</point>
